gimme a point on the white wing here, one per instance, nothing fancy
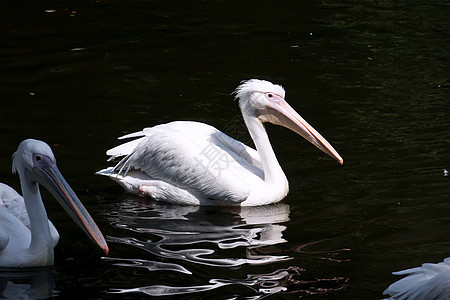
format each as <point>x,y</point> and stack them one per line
<point>194,157</point>
<point>13,233</point>
<point>14,203</point>
<point>430,281</point>
<point>14,220</point>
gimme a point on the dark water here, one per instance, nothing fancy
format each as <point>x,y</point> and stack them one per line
<point>372,77</point>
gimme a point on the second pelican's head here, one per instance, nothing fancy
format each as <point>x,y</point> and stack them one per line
<point>36,164</point>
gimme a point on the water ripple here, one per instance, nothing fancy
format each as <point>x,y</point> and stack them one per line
<point>263,285</point>
<point>180,238</point>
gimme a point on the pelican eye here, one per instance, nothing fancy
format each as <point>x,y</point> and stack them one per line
<point>269,95</point>
<point>38,157</point>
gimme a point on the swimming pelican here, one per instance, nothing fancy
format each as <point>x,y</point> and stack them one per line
<point>430,281</point>
<point>195,164</point>
<point>27,237</point>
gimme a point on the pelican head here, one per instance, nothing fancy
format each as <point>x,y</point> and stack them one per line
<point>265,101</point>
<point>35,163</point>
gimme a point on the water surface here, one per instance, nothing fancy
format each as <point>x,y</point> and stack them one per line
<point>371,77</point>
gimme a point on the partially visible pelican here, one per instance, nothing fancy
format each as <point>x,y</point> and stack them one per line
<point>430,281</point>
<point>195,164</point>
<point>27,237</point>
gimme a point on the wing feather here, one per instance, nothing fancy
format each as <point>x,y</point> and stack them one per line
<point>429,281</point>
<point>14,203</point>
<point>188,155</point>
<point>123,149</point>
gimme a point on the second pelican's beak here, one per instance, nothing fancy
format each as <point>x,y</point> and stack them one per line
<point>50,177</point>
<point>279,112</point>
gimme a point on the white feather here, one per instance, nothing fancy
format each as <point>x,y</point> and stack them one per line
<point>430,281</point>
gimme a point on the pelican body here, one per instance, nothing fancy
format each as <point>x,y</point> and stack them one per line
<point>193,163</point>
<point>27,237</point>
<point>429,281</point>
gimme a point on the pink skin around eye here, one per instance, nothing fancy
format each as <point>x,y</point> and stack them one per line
<point>274,97</point>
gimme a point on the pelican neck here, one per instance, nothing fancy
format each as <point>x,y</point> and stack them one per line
<point>41,239</point>
<point>271,167</point>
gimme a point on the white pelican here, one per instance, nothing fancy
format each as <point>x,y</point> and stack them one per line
<point>195,164</point>
<point>430,281</point>
<point>27,237</point>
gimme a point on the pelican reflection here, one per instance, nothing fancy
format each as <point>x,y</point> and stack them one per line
<point>186,239</point>
<point>30,283</point>
<point>176,232</point>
